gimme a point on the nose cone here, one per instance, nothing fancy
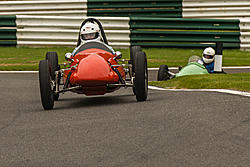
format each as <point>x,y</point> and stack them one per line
<point>94,70</point>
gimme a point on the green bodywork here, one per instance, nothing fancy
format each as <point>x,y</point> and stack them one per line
<point>193,68</point>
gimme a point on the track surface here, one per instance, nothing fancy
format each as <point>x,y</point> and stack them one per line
<point>170,129</point>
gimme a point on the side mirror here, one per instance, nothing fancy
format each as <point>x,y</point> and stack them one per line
<point>118,55</point>
<point>68,56</point>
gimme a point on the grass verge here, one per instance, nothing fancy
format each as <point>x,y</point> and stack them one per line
<point>24,58</point>
<point>174,57</point>
<point>240,82</point>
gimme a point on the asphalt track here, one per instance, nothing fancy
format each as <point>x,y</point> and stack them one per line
<point>169,129</point>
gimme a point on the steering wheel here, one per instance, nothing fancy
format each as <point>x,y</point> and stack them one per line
<point>92,20</point>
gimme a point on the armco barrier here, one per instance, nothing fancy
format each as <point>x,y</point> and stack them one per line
<point>124,31</point>
<point>63,31</point>
<point>44,7</point>
<point>145,8</point>
<point>8,31</point>
<point>180,23</point>
<point>7,21</point>
<point>178,32</point>
<point>159,8</point>
<point>226,9</point>
<point>8,34</point>
<point>216,9</point>
<point>51,29</point>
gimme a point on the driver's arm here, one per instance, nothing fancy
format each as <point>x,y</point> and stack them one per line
<point>74,51</point>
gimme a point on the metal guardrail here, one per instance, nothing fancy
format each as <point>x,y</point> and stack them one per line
<point>180,23</point>
<point>230,9</point>
<point>145,8</point>
<point>179,32</point>
<point>47,22</point>
<point>63,31</point>
<point>245,33</point>
<point>44,7</point>
<point>7,21</point>
<point>227,9</point>
<point>7,30</point>
<point>160,8</point>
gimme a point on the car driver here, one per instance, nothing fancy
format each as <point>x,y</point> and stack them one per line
<point>208,59</point>
<point>90,32</point>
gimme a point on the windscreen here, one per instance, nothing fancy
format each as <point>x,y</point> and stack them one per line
<point>90,45</point>
<point>194,59</point>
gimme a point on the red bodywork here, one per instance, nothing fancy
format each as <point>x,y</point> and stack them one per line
<point>93,72</point>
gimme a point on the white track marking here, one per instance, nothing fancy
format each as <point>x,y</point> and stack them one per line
<point>155,88</point>
<point>234,92</point>
<point>18,72</point>
<point>176,68</point>
<point>150,69</point>
<point>170,68</point>
<point>242,67</point>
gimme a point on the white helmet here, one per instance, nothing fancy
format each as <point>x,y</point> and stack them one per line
<point>208,55</point>
<point>90,31</point>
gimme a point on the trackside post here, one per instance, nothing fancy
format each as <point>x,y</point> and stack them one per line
<point>218,57</point>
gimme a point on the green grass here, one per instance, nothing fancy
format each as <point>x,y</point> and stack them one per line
<point>24,58</point>
<point>240,81</point>
<point>12,58</point>
<point>179,57</point>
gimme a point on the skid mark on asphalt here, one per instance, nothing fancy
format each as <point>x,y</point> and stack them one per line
<point>233,92</point>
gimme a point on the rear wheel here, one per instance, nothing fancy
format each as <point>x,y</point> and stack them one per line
<point>52,58</point>
<point>46,86</point>
<point>163,73</point>
<point>141,76</point>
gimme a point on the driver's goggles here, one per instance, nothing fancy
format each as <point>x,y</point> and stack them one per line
<point>208,56</point>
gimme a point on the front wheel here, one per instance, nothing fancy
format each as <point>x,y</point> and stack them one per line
<point>52,58</point>
<point>46,86</point>
<point>133,52</point>
<point>141,76</point>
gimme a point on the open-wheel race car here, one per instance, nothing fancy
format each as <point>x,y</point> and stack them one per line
<point>93,68</point>
<point>195,66</point>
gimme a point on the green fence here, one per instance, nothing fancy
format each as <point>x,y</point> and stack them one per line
<point>179,32</point>
<point>8,31</point>
<point>145,8</point>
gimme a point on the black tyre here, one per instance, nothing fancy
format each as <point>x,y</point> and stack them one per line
<point>141,76</point>
<point>46,91</point>
<point>133,51</point>
<point>163,73</point>
<point>52,58</point>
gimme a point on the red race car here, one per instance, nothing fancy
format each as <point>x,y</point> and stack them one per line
<point>93,68</point>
